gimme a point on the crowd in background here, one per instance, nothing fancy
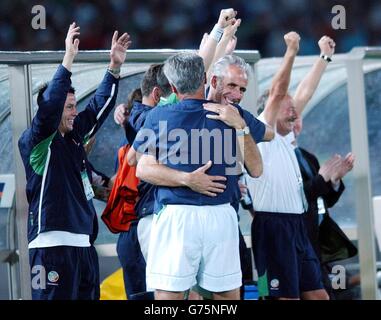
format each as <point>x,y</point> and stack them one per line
<point>179,24</point>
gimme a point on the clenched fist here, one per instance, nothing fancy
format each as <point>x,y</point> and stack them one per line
<point>292,40</point>
<point>327,46</point>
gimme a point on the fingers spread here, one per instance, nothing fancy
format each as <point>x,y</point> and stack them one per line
<point>114,37</point>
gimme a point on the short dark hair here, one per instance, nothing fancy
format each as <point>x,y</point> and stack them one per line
<point>42,89</point>
<point>154,77</point>
<point>135,95</point>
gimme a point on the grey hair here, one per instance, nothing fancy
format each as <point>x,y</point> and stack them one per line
<point>185,71</point>
<point>219,68</point>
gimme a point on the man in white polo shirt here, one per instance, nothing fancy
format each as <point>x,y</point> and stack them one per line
<point>286,263</point>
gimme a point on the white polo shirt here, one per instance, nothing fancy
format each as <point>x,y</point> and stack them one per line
<point>280,187</point>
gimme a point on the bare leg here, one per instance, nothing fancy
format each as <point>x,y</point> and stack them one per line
<point>168,295</point>
<point>320,294</point>
<point>227,295</point>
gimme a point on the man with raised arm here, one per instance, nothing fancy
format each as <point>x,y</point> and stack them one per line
<point>286,262</point>
<point>322,184</point>
<point>62,223</point>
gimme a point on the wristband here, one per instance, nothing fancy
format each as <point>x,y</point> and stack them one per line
<point>325,57</point>
<point>114,72</point>
<point>217,33</point>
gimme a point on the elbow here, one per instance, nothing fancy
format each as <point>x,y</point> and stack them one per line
<point>139,171</point>
<point>132,157</point>
<point>257,171</point>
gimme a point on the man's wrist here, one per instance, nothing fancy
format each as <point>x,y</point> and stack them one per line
<point>185,178</point>
<point>291,52</point>
<point>241,125</point>
<point>326,57</point>
<point>243,132</point>
<point>114,70</point>
<point>217,32</point>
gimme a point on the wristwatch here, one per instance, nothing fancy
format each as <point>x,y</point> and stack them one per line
<point>325,57</point>
<point>114,72</point>
<point>243,132</point>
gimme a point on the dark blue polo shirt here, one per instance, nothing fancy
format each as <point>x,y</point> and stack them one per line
<point>185,139</point>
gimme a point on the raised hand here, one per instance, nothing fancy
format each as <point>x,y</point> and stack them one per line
<point>292,40</point>
<point>71,46</point>
<point>226,17</point>
<point>118,49</point>
<point>327,46</point>
<point>229,33</point>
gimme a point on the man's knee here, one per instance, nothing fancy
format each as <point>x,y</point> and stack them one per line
<point>168,295</point>
<point>320,294</point>
<point>227,295</point>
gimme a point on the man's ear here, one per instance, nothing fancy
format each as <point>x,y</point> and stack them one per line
<point>213,82</point>
<point>156,94</point>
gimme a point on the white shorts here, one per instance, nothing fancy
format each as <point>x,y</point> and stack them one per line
<point>144,234</point>
<point>194,244</point>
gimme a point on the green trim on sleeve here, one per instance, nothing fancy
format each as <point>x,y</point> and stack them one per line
<point>39,153</point>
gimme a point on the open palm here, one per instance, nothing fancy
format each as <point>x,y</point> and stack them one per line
<point>119,47</point>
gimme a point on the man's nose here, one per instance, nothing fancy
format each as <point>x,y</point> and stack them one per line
<point>237,94</point>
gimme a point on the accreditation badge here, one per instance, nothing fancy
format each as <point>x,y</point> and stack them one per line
<point>89,192</point>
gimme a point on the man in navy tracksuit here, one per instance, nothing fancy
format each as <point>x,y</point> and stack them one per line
<point>62,224</point>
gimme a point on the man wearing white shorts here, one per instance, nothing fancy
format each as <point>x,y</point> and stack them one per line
<point>194,236</point>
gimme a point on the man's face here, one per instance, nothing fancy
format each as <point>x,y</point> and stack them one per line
<point>68,115</point>
<point>232,87</point>
<point>286,116</point>
<point>298,126</point>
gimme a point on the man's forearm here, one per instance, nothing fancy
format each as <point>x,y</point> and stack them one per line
<point>67,61</point>
<point>207,52</point>
<point>281,81</point>
<point>160,175</point>
<point>252,156</point>
<point>308,85</point>
<point>279,88</point>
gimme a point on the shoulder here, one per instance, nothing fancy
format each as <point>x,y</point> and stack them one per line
<point>310,156</point>
<point>307,153</point>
